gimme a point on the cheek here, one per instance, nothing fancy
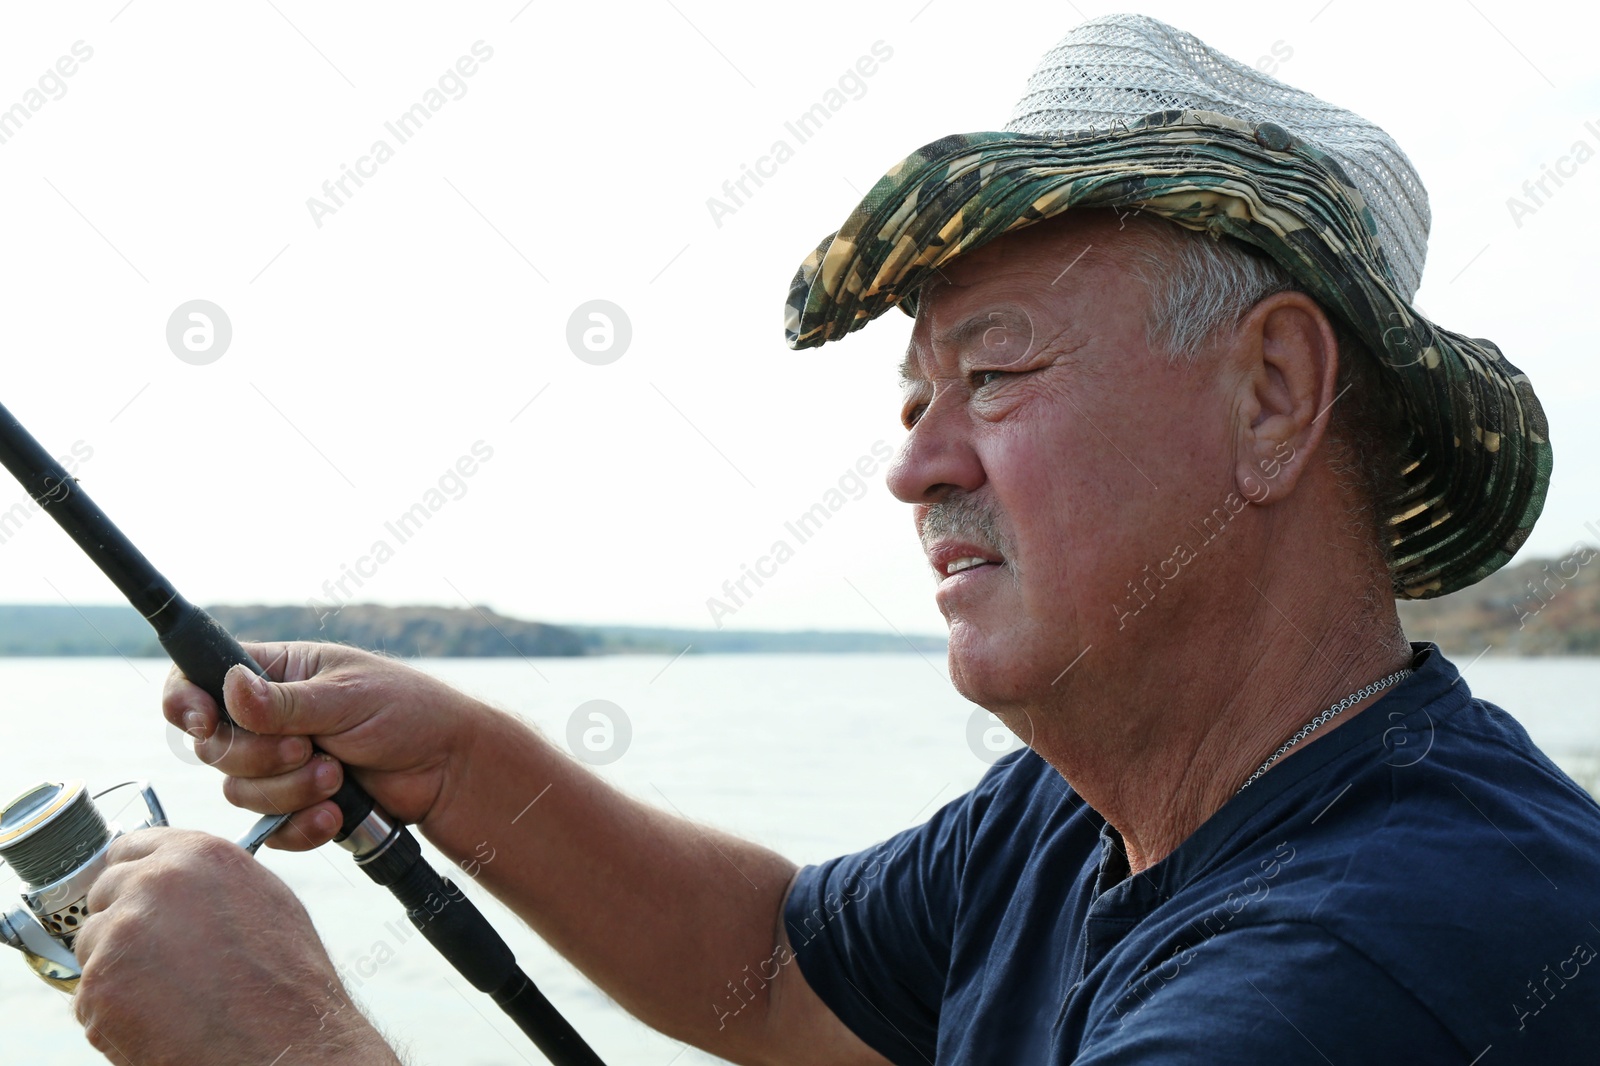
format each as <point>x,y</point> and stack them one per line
<point>1098,487</point>
<point>1175,430</point>
<point>1062,494</point>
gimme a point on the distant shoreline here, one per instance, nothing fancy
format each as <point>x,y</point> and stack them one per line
<point>1542,607</point>
<point>61,631</point>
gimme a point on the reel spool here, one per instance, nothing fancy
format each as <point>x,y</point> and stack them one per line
<point>55,839</point>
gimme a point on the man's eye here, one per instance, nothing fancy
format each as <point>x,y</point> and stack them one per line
<point>981,378</point>
<point>912,414</point>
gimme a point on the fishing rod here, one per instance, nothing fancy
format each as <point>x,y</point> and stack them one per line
<point>205,652</point>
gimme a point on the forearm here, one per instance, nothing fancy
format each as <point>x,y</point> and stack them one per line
<point>675,921</point>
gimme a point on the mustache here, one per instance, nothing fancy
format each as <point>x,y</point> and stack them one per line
<point>964,517</point>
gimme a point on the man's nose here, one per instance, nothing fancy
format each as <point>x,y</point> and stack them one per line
<point>937,456</point>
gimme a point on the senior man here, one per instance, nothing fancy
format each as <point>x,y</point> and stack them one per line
<point>1176,439</point>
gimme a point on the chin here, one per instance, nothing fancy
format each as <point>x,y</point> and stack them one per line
<point>991,669</point>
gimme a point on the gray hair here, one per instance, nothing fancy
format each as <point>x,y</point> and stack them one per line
<point>1200,285</point>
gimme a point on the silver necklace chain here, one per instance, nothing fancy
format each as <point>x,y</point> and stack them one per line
<point>1324,718</point>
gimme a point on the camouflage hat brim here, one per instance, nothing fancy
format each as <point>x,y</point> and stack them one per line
<point>1480,453</point>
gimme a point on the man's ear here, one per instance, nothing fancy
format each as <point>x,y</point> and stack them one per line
<point>1286,359</point>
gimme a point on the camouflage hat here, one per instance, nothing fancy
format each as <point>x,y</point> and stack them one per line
<point>1479,454</point>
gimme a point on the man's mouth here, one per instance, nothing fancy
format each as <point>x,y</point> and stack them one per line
<point>949,559</point>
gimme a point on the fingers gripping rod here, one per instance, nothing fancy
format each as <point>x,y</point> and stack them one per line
<point>382,847</point>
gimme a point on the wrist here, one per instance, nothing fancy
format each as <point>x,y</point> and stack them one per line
<point>481,739</point>
<point>347,1034</point>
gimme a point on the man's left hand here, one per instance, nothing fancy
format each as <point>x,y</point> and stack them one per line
<point>195,953</point>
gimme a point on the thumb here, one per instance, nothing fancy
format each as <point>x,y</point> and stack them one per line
<point>277,708</point>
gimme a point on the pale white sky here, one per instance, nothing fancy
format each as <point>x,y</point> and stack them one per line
<point>372,352</point>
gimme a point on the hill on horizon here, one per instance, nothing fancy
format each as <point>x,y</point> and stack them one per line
<point>420,631</point>
<point>1539,607</point>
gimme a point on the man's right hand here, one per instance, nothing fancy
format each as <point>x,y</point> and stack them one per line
<point>406,732</point>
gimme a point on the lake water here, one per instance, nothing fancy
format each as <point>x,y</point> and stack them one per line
<point>810,755</point>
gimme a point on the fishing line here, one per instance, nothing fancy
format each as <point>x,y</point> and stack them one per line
<point>49,850</point>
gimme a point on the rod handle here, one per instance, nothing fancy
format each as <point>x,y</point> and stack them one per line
<point>202,649</point>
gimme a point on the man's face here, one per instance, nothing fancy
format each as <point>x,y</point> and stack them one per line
<point>1049,442</point>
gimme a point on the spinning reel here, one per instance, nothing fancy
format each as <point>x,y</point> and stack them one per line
<point>55,840</point>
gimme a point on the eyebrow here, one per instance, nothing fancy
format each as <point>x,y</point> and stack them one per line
<point>962,335</point>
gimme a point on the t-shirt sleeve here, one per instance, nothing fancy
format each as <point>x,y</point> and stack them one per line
<point>871,931</point>
<point>1278,994</point>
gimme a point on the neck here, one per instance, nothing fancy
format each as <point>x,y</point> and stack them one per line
<point>1159,743</point>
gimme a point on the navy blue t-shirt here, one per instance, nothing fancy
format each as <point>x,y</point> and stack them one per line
<point>1420,885</point>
